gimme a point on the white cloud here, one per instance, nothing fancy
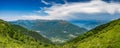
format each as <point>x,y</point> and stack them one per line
<point>65,1</point>
<point>43,1</point>
<point>68,11</point>
<point>91,7</point>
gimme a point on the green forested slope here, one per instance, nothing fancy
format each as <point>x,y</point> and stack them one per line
<point>31,33</point>
<point>58,31</point>
<point>13,36</point>
<point>104,36</point>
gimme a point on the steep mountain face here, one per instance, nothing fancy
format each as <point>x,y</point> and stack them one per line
<point>56,30</point>
<point>104,36</point>
<point>14,36</point>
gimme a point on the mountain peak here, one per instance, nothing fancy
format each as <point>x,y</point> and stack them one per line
<point>53,29</point>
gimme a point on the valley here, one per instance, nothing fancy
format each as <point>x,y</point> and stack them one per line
<point>58,31</point>
<point>103,36</point>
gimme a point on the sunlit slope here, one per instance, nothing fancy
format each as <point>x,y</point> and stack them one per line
<point>104,36</point>
<point>11,37</point>
<point>31,33</point>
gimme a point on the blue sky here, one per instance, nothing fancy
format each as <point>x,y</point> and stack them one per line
<point>10,8</point>
<point>75,11</point>
<point>27,5</point>
<point>30,5</point>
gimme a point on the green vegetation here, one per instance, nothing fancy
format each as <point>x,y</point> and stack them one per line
<point>103,36</point>
<point>58,31</point>
<point>13,36</point>
<point>31,33</point>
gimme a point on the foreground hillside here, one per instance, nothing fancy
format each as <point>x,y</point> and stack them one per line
<point>13,36</point>
<point>104,36</point>
<point>56,30</point>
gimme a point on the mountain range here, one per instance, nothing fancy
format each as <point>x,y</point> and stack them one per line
<point>103,36</point>
<point>58,31</point>
<point>15,36</point>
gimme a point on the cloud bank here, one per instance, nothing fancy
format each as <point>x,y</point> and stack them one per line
<point>70,11</point>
